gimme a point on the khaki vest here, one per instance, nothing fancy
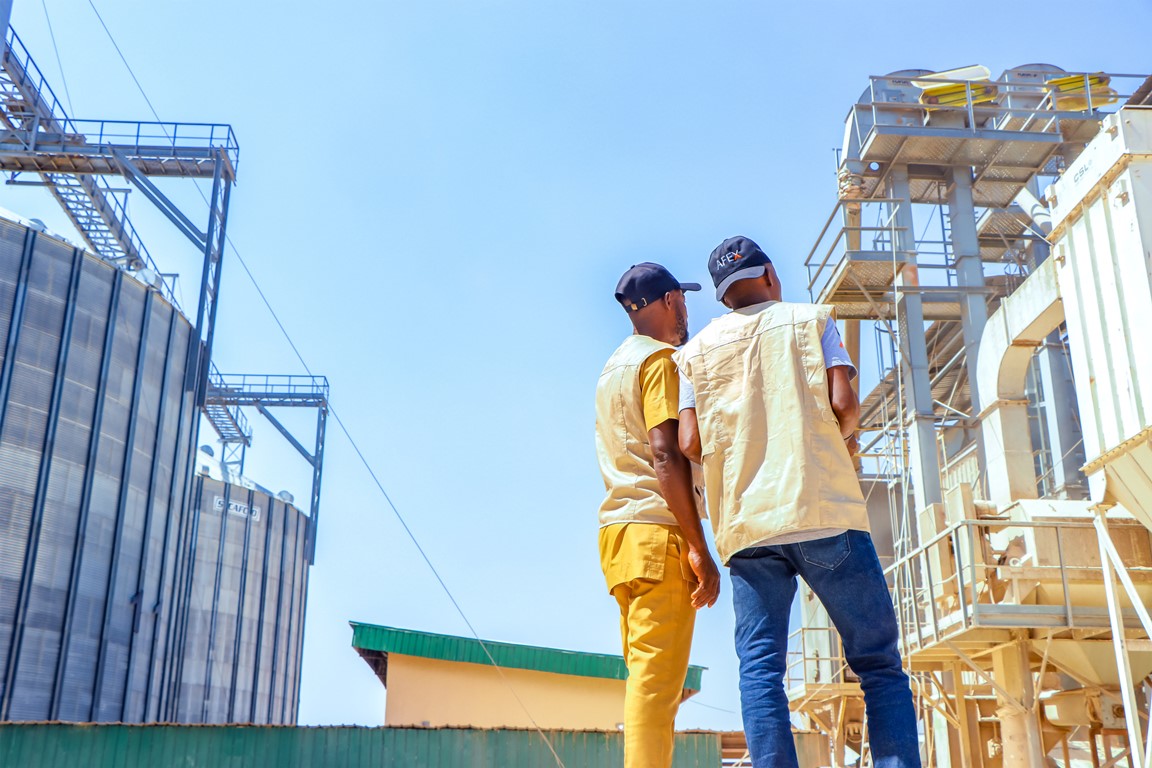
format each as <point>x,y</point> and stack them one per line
<point>774,460</point>
<point>622,440</point>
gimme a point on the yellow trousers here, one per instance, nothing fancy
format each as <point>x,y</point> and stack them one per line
<point>656,622</point>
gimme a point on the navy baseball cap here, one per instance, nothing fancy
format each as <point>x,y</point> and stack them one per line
<point>645,283</point>
<point>737,258</point>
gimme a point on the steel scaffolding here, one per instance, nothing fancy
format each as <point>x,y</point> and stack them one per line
<point>1004,589</point>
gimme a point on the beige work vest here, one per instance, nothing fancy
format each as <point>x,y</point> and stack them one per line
<point>774,460</point>
<point>622,440</point>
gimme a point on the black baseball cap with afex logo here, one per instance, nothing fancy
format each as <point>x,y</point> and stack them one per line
<point>644,283</point>
<point>737,258</point>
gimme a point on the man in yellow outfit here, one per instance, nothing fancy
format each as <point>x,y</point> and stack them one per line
<point>652,546</point>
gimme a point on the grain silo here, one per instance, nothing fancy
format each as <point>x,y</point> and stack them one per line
<point>95,428</point>
<point>126,594</point>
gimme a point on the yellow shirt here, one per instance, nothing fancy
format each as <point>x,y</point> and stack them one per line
<point>660,388</point>
<point>639,550</point>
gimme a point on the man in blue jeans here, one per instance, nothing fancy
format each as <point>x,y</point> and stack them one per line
<point>768,409</point>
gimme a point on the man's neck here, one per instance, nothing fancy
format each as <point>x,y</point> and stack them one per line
<point>756,305</point>
<point>650,333</point>
<point>653,337</point>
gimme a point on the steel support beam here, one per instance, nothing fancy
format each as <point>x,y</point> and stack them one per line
<point>287,435</point>
<point>920,419</point>
<point>1114,569</point>
<point>214,261</point>
<point>317,473</point>
<point>23,151</point>
<point>969,271</point>
<point>160,200</point>
<point>1019,727</point>
<point>5,18</point>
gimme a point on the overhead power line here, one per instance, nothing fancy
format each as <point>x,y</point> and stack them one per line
<point>56,49</point>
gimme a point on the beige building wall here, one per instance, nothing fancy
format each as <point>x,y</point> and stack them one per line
<point>434,692</point>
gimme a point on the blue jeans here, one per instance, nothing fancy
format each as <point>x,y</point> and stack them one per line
<point>845,574</point>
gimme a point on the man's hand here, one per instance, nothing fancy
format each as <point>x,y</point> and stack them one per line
<point>708,576</point>
<point>675,476</point>
<point>852,444</point>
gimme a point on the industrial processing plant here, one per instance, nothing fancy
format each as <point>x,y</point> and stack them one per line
<point>141,580</point>
<point>988,254</point>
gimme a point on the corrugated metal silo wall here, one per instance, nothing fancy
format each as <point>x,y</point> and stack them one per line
<point>244,632</point>
<point>95,428</point>
<point>161,746</point>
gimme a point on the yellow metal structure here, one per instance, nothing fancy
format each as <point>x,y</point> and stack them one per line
<point>958,94</point>
<point>956,87</point>
<point>1079,92</point>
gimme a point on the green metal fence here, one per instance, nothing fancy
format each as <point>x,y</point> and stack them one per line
<point>40,745</point>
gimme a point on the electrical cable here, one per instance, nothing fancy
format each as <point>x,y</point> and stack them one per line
<point>348,435</point>
<point>126,64</point>
<point>56,49</point>
<point>712,706</point>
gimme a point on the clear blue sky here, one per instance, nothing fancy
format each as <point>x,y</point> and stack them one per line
<point>438,198</point>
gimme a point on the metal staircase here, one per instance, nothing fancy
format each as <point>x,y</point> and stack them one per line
<point>227,393</point>
<point>226,418</point>
<point>91,205</point>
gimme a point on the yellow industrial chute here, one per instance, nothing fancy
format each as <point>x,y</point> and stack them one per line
<point>963,86</point>
<point>1072,93</point>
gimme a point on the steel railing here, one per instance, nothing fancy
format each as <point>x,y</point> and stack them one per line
<point>985,573</point>
<point>1000,573</point>
<point>1045,113</point>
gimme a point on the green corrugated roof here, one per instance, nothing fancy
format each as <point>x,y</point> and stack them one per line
<point>409,642</point>
<point>59,745</point>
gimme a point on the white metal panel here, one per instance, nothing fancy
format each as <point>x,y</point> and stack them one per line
<point>1102,237</point>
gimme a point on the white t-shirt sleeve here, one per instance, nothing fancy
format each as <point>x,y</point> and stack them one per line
<point>687,394</point>
<point>834,354</point>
